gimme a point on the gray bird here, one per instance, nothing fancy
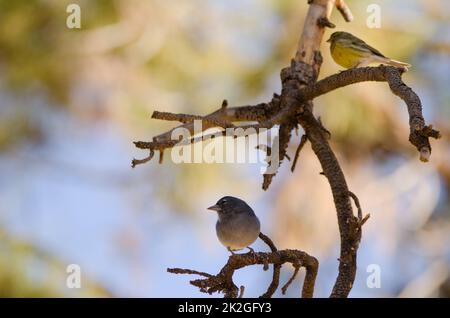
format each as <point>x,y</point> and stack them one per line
<point>237,226</point>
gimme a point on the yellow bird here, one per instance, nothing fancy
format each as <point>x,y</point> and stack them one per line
<point>349,51</point>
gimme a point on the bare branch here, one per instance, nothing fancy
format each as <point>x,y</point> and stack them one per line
<point>241,291</point>
<point>267,180</point>
<point>188,271</point>
<point>245,131</point>
<point>136,162</point>
<point>297,152</point>
<point>276,268</point>
<point>223,281</point>
<point>358,205</point>
<point>256,113</point>
<point>348,224</point>
<point>344,10</point>
<point>304,72</point>
<point>161,157</point>
<point>268,241</point>
<point>324,22</point>
<point>419,132</point>
<point>283,139</point>
<point>361,219</point>
<point>289,282</point>
<point>182,118</point>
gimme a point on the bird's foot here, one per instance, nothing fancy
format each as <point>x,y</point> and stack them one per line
<point>231,251</point>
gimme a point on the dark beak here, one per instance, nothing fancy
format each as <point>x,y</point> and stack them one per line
<point>329,40</point>
<point>214,208</point>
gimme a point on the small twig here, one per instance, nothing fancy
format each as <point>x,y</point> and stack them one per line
<point>361,220</point>
<point>289,282</point>
<point>268,241</point>
<point>275,282</point>
<point>344,10</point>
<point>358,205</point>
<point>282,141</point>
<point>364,220</point>
<point>225,105</point>
<point>182,118</point>
<point>324,22</point>
<point>297,152</point>
<point>267,180</point>
<point>187,119</point>
<point>326,131</point>
<point>161,157</point>
<point>241,291</point>
<point>276,268</point>
<point>188,271</point>
<point>136,162</point>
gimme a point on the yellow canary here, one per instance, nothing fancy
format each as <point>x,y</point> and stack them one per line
<point>349,51</point>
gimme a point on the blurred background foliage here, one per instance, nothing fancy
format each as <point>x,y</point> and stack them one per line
<point>73,100</point>
<point>27,271</point>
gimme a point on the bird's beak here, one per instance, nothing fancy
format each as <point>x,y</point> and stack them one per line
<point>214,208</point>
<point>329,40</point>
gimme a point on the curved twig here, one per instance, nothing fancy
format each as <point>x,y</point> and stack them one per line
<point>302,143</point>
<point>289,282</point>
<point>276,268</point>
<point>419,132</point>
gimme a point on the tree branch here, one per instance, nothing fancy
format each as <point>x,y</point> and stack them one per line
<point>289,282</point>
<point>303,141</point>
<point>223,281</point>
<point>344,10</point>
<point>304,72</point>
<point>419,132</point>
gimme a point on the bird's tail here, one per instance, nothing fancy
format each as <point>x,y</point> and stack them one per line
<point>395,63</point>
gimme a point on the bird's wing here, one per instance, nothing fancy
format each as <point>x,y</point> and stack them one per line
<point>360,43</point>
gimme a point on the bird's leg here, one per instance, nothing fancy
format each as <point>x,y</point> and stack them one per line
<point>364,63</point>
<point>231,251</point>
<point>251,250</point>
